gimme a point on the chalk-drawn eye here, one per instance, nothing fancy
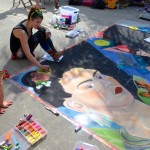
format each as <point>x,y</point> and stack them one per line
<point>90,86</point>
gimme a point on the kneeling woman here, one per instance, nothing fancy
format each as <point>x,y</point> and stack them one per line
<point>23,42</point>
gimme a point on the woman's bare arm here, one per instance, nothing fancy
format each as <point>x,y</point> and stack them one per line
<point>25,47</point>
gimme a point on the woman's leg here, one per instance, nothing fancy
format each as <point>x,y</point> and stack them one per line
<point>39,6</point>
<point>6,103</point>
<point>56,4</point>
<point>48,45</point>
<point>33,42</point>
<point>1,92</point>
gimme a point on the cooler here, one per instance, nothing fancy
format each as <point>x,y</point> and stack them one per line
<point>70,13</point>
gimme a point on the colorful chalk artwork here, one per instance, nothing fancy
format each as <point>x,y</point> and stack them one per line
<point>31,130</point>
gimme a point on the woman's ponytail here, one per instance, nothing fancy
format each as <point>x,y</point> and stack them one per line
<point>35,13</point>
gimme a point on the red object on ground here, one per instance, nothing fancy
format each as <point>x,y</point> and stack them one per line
<point>87,2</point>
<point>123,48</point>
<point>6,74</point>
<point>13,57</point>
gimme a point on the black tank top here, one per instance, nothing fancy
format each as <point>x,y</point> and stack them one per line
<point>15,43</point>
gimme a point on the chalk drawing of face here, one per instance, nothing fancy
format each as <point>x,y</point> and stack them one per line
<point>101,96</point>
<point>92,90</point>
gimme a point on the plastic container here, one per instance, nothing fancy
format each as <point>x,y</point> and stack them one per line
<point>85,146</point>
<point>22,144</point>
<point>31,130</point>
<point>69,13</point>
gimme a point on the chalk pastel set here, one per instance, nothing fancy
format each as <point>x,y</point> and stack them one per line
<point>26,133</point>
<point>31,130</point>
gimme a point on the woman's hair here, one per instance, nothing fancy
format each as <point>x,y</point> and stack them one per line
<point>35,13</point>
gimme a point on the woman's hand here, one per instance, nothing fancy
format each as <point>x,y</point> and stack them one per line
<point>48,34</point>
<point>44,67</point>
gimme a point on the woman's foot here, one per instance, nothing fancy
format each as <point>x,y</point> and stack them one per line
<point>2,111</point>
<point>58,55</point>
<point>6,104</point>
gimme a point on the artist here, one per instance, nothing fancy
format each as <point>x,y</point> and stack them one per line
<point>23,42</point>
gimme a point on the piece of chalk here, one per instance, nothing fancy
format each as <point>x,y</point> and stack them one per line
<point>28,117</point>
<point>78,128</point>
<point>52,110</point>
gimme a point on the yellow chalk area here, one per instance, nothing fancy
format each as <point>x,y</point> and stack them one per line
<point>101,43</point>
<point>133,27</point>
